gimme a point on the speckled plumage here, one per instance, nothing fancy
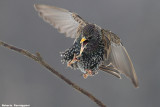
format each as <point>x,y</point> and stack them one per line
<point>92,56</point>
<point>94,48</point>
<point>69,53</point>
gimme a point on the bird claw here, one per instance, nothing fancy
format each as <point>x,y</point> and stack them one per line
<point>85,76</point>
<point>75,57</point>
<point>73,60</point>
<point>88,73</point>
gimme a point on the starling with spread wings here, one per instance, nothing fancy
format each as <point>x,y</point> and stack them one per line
<point>94,48</point>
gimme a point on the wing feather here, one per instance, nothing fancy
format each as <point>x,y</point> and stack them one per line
<point>121,61</point>
<point>62,19</point>
<point>118,56</point>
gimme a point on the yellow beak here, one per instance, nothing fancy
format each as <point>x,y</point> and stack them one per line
<point>83,39</point>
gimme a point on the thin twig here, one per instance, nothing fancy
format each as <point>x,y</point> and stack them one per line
<point>40,60</point>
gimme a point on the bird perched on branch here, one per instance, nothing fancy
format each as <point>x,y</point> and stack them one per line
<point>94,48</point>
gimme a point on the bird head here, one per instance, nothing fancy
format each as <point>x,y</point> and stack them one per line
<point>90,38</point>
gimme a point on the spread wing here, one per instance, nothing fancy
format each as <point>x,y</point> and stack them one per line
<point>62,19</point>
<point>118,56</point>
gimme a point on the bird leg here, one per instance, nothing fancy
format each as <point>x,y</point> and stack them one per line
<point>85,75</point>
<point>73,60</point>
<point>88,73</point>
<point>75,57</point>
<point>82,48</point>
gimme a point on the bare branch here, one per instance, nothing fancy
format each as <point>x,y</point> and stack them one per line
<point>40,60</point>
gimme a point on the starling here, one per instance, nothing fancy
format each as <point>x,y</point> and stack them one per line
<point>94,48</point>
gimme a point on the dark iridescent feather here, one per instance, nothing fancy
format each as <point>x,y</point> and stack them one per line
<point>102,49</point>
